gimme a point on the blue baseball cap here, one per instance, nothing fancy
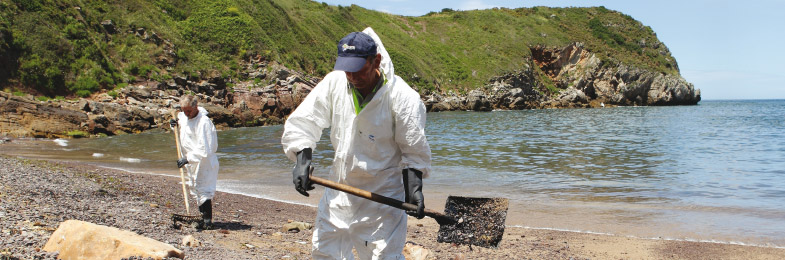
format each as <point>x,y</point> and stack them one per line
<point>352,51</point>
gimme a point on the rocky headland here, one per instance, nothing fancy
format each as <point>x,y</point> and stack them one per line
<point>273,91</point>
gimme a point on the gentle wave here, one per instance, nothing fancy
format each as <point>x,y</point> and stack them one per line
<point>130,160</point>
<point>259,196</point>
<point>222,187</point>
<point>61,142</point>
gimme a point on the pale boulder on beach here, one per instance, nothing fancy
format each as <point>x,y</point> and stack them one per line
<point>76,239</point>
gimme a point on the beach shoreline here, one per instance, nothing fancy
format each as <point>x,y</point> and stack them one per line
<point>37,195</point>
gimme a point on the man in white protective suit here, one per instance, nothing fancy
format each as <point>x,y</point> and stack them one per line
<point>378,131</point>
<point>199,142</point>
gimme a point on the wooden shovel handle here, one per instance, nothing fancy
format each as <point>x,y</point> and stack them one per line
<point>180,155</point>
<point>379,198</point>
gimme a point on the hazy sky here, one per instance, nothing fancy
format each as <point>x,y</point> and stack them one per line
<point>728,49</point>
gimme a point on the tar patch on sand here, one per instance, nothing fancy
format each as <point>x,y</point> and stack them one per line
<point>480,221</point>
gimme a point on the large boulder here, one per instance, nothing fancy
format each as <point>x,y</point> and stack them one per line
<point>477,101</point>
<point>76,239</point>
<point>131,119</point>
<point>220,116</point>
<point>109,26</point>
<point>437,103</point>
<point>515,90</point>
<point>570,96</point>
<point>137,92</point>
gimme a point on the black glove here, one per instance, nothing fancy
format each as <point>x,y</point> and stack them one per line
<point>181,162</point>
<point>172,123</point>
<point>301,173</point>
<point>412,185</point>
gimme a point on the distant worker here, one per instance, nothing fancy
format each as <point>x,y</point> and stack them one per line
<point>378,132</point>
<point>199,142</point>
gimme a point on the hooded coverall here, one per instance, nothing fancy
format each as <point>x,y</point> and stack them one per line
<point>199,142</point>
<point>371,149</point>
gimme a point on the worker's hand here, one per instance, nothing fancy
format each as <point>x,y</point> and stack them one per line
<point>412,185</point>
<point>301,173</point>
<point>181,162</point>
<point>172,123</point>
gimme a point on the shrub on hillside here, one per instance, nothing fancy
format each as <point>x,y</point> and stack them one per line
<point>84,86</point>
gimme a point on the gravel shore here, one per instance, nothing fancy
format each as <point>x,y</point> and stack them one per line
<point>36,196</point>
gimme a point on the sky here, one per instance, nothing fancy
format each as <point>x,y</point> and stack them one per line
<point>727,49</point>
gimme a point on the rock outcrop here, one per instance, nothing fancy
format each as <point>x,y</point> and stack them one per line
<point>24,116</point>
<point>83,240</point>
<point>145,106</point>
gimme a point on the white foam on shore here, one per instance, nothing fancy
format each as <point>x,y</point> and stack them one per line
<point>231,191</point>
<point>130,160</point>
<point>653,238</point>
<point>264,197</point>
<point>98,155</point>
<point>61,142</point>
<point>135,172</point>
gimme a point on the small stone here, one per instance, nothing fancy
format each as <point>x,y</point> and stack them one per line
<point>190,241</point>
<point>414,251</point>
<point>296,226</point>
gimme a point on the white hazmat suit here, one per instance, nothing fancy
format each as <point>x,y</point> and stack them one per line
<point>371,149</point>
<point>199,142</point>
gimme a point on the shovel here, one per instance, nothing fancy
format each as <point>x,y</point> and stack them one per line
<point>470,221</point>
<point>185,218</point>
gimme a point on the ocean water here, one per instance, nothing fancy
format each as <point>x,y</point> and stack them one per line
<point>711,172</point>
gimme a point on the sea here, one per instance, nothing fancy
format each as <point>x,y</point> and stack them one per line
<point>712,172</point>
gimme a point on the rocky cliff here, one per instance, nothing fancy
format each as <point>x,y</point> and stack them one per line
<point>582,78</point>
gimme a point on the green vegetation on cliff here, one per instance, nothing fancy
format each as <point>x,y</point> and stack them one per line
<point>68,47</point>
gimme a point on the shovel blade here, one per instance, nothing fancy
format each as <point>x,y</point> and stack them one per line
<point>480,221</point>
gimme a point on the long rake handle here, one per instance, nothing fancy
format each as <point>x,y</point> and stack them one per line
<point>179,155</point>
<point>379,198</point>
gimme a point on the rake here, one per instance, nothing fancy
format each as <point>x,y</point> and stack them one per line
<point>187,218</point>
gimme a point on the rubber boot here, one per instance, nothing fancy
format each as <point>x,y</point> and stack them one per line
<point>207,215</point>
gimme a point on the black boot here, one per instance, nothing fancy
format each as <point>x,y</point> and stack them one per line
<point>207,215</point>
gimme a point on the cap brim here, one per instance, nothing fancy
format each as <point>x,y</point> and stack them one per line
<point>349,64</point>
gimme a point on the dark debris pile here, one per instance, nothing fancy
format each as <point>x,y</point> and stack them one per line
<point>480,221</point>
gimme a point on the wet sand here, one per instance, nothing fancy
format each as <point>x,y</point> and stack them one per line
<point>35,196</point>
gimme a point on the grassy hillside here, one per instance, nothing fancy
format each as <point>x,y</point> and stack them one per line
<point>60,47</point>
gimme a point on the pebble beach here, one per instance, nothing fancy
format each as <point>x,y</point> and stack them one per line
<point>37,195</point>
